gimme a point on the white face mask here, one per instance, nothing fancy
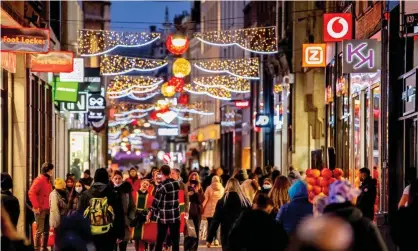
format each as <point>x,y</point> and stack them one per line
<point>117,185</point>
<point>78,189</point>
<point>266,186</point>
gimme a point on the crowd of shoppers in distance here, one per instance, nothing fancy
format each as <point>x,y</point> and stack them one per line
<point>253,211</point>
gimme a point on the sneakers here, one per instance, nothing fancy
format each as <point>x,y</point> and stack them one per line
<point>216,243</point>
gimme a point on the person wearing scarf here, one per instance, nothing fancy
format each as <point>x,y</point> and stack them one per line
<point>134,180</point>
<point>58,201</point>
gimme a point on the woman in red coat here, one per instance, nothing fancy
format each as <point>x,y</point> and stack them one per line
<point>135,182</point>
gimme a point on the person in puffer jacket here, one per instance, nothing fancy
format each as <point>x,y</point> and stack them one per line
<point>213,193</point>
<point>58,202</point>
<point>299,207</point>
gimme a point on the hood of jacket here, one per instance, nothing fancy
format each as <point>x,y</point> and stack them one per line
<point>216,186</point>
<point>298,190</point>
<point>98,189</point>
<point>344,210</point>
<point>125,187</point>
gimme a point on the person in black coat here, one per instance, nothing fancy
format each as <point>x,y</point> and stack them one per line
<point>405,221</point>
<point>256,230</point>
<point>367,198</point>
<point>366,235</point>
<point>8,200</point>
<point>228,209</point>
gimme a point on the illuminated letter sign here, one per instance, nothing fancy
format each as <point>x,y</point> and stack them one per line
<point>54,61</point>
<point>242,103</point>
<point>262,120</point>
<point>361,56</point>
<point>28,40</point>
<point>313,55</point>
<point>337,27</point>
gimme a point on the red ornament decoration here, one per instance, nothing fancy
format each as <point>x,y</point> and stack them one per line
<point>183,99</point>
<point>174,81</point>
<point>177,44</point>
<point>153,115</point>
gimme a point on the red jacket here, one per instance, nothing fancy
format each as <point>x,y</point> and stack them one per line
<point>39,192</point>
<point>135,186</point>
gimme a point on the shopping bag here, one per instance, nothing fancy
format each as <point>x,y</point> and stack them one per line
<point>149,232</point>
<point>190,230</point>
<point>51,238</point>
<point>203,230</point>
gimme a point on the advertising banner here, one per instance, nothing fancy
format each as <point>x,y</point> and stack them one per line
<point>26,40</point>
<point>54,61</point>
<point>97,105</point>
<point>77,75</point>
<point>66,91</point>
<point>78,107</point>
<point>361,56</point>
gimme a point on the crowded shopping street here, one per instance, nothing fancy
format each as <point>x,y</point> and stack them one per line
<point>209,125</point>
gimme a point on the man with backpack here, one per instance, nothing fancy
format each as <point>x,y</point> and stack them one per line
<point>166,207</point>
<point>96,204</point>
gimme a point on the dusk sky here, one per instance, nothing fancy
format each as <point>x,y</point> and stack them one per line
<point>150,12</point>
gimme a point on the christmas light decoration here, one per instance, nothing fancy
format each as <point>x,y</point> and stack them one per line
<point>161,123</point>
<point>168,117</point>
<point>120,122</point>
<point>130,116</point>
<point>177,44</point>
<point>98,42</point>
<point>118,65</point>
<point>124,83</point>
<point>226,82</point>
<point>184,118</point>
<point>168,90</point>
<point>192,110</point>
<point>131,92</point>
<point>134,96</point>
<point>261,40</point>
<point>217,93</point>
<point>181,68</point>
<point>183,99</point>
<point>124,109</point>
<point>247,68</point>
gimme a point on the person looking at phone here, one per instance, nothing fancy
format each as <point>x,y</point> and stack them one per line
<point>196,198</point>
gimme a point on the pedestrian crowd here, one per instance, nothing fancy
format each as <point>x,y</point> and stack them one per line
<point>259,210</point>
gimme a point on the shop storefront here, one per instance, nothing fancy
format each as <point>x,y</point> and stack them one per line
<point>208,145</point>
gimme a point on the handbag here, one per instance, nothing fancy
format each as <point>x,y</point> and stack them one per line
<point>190,229</point>
<point>149,232</point>
<point>203,230</point>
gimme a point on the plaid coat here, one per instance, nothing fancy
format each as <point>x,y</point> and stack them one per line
<point>166,202</point>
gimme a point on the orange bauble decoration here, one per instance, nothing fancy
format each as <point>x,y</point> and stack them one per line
<point>311,181</point>
<point>168,90</point>
<point>177,44</point>
<point>324,182</point>
<point>338,172</point>
<point>183,99</point>
<point>326,173</point>
<point>315,173</point>
<point>316,189</point>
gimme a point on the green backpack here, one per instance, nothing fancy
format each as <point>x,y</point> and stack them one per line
<point>100,214</point>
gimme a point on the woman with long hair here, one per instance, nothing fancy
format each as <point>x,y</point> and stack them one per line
<point>74,197</point>
<point>228,209</point>
<point>279,193</point>
<point>196,199</point>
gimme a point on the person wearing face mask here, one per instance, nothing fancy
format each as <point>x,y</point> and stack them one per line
<point>124,210</point>
<point>143,203</point>
<point>267,185</point>
<point>69,184</point>
<point>213,193</point>
<point>269,235</point>
<point>74,197</point>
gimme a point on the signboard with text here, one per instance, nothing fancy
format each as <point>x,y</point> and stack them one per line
<point>66,91</point>
<point>262,120</point>
<point>337,27</point>
<point>313,55</point>
<point>26,40</point>
<point>77,75</point>
<point>78,107</point>
<point>97,105</point>
<point>54,61</point>
<point>242,103</point>
<point>361,56</point>
<point>8,61</point>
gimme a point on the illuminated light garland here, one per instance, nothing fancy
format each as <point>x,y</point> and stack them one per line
<point>192,110</point>
<point>131,116</point>
<point>217,93</point>
<point>177,44</point>
<point>261,40</point>
<point>229,83</point>
<point>161,123</point>
<point>120,122</point>
<point>181,68</point>
<point>98,42</point>
<point>135,97</point>
<point>122,94</point>
<point>121,84</point>
<point>118,65</point>
<point>247,68</point>
<point>184,118</point>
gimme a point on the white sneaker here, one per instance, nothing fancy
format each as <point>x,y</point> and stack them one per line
<point>216,243</point>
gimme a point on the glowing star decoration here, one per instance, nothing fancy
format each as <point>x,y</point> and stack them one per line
<point>167,90</point>
<point>99,42</point>
<point>261,40</point>
<point>168,117</point>
<point>217,93</point>
<point>181,68</point>
<point>247,68</point>
<point>177,44</point>
<point>229,83</point>
<point>118,65</point>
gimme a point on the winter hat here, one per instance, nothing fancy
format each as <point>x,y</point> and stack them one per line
<point>87,171</point>
<point>6,181</point>
<point>342,191</point>
<point>59,184</point>
<point>101,175</point>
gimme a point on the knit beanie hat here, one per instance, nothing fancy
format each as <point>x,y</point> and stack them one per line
<point>101,175</point>
<point>342,191</point>
<point>59,184</point>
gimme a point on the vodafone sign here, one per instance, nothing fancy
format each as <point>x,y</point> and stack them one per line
<point>338,27</point>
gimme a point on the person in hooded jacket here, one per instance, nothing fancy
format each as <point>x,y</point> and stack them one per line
<point>196,198</point>
<point>58,201</point>
<point>367,197</point>
<point>124,210</point>
<point>227,210</point>
<point>213,193</point>
<point>250,187</point>
<point>87,180</point>
<point>100,189</point>
<point>8,200</point>
<point>134,180</point>
<point>255,230</point>
<point>299,207</point>
<point>366,235</point>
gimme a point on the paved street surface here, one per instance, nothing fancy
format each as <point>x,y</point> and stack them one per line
<point>202,247</point>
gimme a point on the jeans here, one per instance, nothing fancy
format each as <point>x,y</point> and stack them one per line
<point>196,221</point>
<point>209,222</point>
<point>104,242</point>
<point>174,235</point>
<point>42,221</point>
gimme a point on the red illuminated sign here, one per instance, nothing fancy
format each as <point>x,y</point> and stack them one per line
<point>242,103</point>
<point>53,61</point>
<point>337,27</point>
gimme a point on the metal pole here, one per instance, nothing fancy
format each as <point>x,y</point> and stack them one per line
<point>335,97</point>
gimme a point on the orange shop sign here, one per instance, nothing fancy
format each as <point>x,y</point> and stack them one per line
<point>313,55</point>
<point>26,40</point>
<point>53,61</point>
<point>8,61</point>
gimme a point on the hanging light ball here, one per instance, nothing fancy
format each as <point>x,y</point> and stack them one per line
<point>177,43</point>
<point>168,90</point>
<point>174,81</point>
<point>181,68</point>
<point>183,99</point>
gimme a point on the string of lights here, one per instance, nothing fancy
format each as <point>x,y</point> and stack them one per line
<point>226,82</point>
<point>132,91</point>
<point>217,93</point>
<point>130,116</point>
<point>184,118</point>
<point>99,42</point>
<point>123,83</point>
<point>247,68</point>
<point>260,40</point>
<point>192,110</point>
<point>158,123</point>
<point>118,65</point>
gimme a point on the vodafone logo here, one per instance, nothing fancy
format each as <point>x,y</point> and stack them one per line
<point>337,27</point>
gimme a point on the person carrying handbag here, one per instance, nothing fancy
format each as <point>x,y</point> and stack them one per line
<point>196,198</point>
